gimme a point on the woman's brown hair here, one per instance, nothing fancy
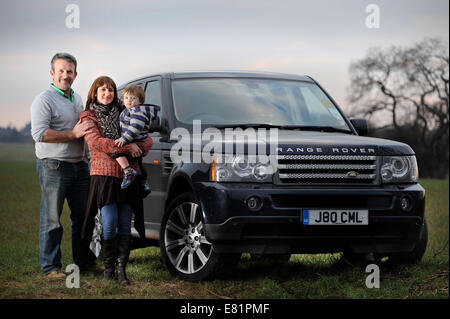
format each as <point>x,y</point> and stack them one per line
<point>100,81</point>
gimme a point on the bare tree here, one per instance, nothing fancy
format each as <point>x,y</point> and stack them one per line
<point>405,91</point>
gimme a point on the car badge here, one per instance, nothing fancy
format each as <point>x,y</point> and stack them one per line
<point>352,174</point>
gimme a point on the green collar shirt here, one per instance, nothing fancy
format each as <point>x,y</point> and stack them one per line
<point>70,98</point>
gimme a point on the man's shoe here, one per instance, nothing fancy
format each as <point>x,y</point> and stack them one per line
<point>55,275</point>
<point>129,175</point>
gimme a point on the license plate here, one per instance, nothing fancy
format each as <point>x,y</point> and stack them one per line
<point>335,217</point>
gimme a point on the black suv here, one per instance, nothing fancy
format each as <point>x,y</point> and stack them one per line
<point>325,189</point>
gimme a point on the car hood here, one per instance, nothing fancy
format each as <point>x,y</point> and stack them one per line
<point>311,142</point>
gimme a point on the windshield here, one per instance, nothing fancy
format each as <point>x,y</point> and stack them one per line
<point>236,101</point>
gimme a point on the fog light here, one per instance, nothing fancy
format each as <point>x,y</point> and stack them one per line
<point>254,203</point>
<point>405,203</point>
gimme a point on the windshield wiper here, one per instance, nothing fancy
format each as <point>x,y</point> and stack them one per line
<point>286,127</point>
<point>262,125</point>
<point>317,128</point>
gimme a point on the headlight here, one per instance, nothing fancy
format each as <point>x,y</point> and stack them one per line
<point>240,168</point>
<point>399,169</point>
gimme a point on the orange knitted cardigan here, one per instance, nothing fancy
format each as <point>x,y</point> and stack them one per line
<point>100,146</point>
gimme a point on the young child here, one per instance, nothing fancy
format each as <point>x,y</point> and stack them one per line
<point>135,122</point>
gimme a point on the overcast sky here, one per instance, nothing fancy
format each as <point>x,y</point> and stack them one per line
<point>127,39</point>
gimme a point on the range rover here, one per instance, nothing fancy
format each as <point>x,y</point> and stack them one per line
<point>326,188</point>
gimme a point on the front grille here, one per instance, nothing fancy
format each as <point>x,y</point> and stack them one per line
<point>327,169</point>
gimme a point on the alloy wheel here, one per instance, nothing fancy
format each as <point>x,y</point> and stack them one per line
<point>185,242</point>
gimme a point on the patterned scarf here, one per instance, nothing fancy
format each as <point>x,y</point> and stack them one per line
<point>108,116</point>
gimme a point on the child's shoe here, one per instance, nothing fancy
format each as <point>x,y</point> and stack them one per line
<point>129,175</point>
<point>145,190</point>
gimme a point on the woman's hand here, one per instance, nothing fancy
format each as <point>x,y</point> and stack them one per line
<point>135,150</point>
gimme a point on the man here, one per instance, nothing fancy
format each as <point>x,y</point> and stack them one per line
<point>62,165</point>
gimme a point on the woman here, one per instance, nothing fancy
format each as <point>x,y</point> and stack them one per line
<point>116,205</point>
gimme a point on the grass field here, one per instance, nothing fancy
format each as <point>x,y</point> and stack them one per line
<point>305,276</point>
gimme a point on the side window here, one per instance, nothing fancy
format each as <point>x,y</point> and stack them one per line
<point>153,94</point>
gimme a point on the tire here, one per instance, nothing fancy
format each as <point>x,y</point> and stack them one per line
<point>271,258</point>
<point>184,248</point>
<point>414,256</point>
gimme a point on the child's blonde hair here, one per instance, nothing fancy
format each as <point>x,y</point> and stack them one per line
<point>135,90</point>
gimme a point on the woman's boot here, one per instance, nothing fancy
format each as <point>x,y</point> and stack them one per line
<point>109,258</point>
<point>122,260</point>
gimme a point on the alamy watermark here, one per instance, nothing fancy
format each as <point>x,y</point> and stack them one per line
<point>373,279</point>
<point>257,144</point>
<point>73,17</point>
<point>373,19</point>
<point>73,277</point>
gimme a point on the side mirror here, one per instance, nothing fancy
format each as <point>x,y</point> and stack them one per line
<point>360,125</point>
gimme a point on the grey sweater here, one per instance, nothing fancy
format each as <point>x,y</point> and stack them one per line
<point>51,110</point>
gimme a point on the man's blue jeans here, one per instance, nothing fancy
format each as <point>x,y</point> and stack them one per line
<point>62,180</point>
<point>116,219</point>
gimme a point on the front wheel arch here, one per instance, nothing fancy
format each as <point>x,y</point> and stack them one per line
<point>178,185</point>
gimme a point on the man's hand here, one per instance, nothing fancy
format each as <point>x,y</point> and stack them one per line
<point>135,150</point>
<point>118,142</point>
<point>80,129</point>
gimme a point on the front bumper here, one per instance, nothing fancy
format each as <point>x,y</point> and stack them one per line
<point>277,226</point>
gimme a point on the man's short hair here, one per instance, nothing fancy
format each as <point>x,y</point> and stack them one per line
<point>64,56</point>
<point>135,90</point>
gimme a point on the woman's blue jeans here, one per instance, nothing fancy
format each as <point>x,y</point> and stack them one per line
<point>116,219</point>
